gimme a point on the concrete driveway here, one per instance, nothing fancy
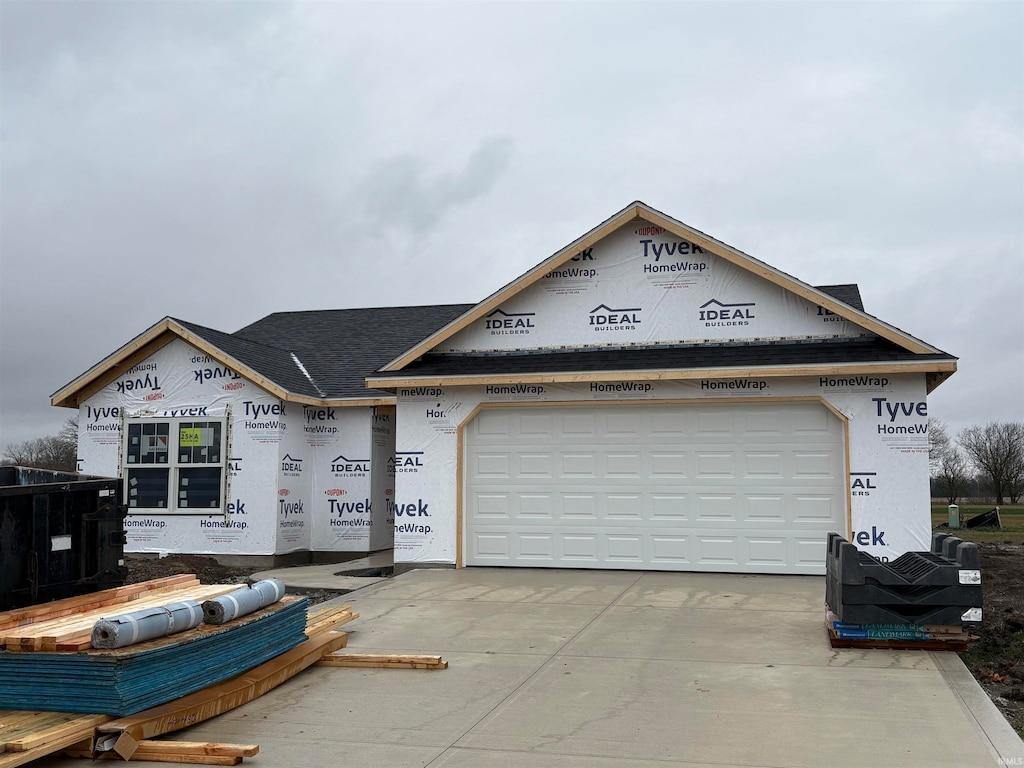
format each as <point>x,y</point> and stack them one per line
<point>595,669</point>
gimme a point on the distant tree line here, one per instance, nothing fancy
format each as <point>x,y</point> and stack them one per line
<point>58,451</point>
<point>982,462</point>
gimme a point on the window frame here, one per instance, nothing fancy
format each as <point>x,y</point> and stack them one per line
<point>177,467</point>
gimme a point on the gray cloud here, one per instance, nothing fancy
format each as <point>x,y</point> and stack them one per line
<point>221,161</point>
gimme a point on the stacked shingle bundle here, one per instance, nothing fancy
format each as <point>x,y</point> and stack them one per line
<point>920,600</point>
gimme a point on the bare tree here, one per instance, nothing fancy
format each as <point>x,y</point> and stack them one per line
<point>997,449</point>
<point>953,475</point>
<point>939,444</point>
<point>58,451</point>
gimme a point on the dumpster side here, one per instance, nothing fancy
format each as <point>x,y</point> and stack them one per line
<point>61,535</point>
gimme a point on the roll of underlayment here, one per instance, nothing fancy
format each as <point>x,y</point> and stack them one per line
<point>146,624</point>
<point>243,601</point>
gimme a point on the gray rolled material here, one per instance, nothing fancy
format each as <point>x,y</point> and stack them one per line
<point>219,610</point>
<point>146,624</point>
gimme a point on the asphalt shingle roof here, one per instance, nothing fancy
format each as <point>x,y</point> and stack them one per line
<point>329,353</point>
<point>339,348</point>
<point>859,350</point>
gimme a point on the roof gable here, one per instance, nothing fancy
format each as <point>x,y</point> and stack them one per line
<point>641,286</point>
<point>638,216</point>
<point>312,357</point>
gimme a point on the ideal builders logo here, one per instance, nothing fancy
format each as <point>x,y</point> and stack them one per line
<point>500,323</point>
<point>345,467</point>
<point>715,314</point>
<point>405,461</point>
<point>605,318</point>
<point>863,483</point>
<point>291,467</point>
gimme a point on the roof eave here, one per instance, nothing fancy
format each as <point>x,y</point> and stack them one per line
<point>939,370</point>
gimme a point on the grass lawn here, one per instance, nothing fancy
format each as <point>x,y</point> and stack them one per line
<point>1012,518</point>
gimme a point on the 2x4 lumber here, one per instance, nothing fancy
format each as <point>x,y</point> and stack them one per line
<point>127,748</point>
<point>328,619</point>
<point>30,748</point>
<point>47,635</point>
<point>222,697</point>
<point>34,614</point>
<point>158,757</point>
<point>382,661</point>
<point>214,748</point>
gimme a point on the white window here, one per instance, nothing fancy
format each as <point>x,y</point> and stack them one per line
<point>175,465</point>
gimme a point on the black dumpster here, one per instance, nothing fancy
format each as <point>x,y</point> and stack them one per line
<point>61,535</point>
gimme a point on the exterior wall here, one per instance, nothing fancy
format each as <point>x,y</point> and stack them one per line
<point>643,285</point>
<point>887,451</point>
<point>298,478</point>
<point>345,515</point>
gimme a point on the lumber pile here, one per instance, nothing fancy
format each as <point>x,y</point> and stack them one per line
<point>41,675</point>
<point>27,736</point>
<point>36,632</point>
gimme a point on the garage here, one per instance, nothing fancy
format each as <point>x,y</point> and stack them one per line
<point>732,487</point>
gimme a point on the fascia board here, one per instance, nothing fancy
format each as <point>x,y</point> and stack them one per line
<point>946,367</point>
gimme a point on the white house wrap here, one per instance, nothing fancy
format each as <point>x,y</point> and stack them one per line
<point>146,624</point>
<point>242,602</point>
<point>647,397</point>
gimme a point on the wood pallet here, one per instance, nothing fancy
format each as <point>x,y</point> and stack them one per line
<point>954,643</point>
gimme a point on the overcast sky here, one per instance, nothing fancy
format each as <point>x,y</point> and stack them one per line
<point>218,161</point>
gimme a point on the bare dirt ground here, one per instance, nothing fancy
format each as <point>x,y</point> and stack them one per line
<point>206,569</point>
<point>996,659</point>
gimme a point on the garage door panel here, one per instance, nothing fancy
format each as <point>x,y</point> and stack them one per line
<point>669,506</point>
<point>493,465</point>
<point>739,487</point>
<point>577,424</point>
<point>578,466</point>
<point>624,506</point>
<point>624,465</point>
<point>579,506</point>
<point>720,464</point>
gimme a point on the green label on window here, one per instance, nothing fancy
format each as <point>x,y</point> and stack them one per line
<point>190,437</point>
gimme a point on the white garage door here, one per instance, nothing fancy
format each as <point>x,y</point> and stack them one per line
<point>739,487</point>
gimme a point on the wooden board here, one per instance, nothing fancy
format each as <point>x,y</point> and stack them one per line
<point>382,661</point>
<point>195,752</point>
<point>225,696</point>
<point>47,635</point>
<point>37,734</point>
<point>44,611</point>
